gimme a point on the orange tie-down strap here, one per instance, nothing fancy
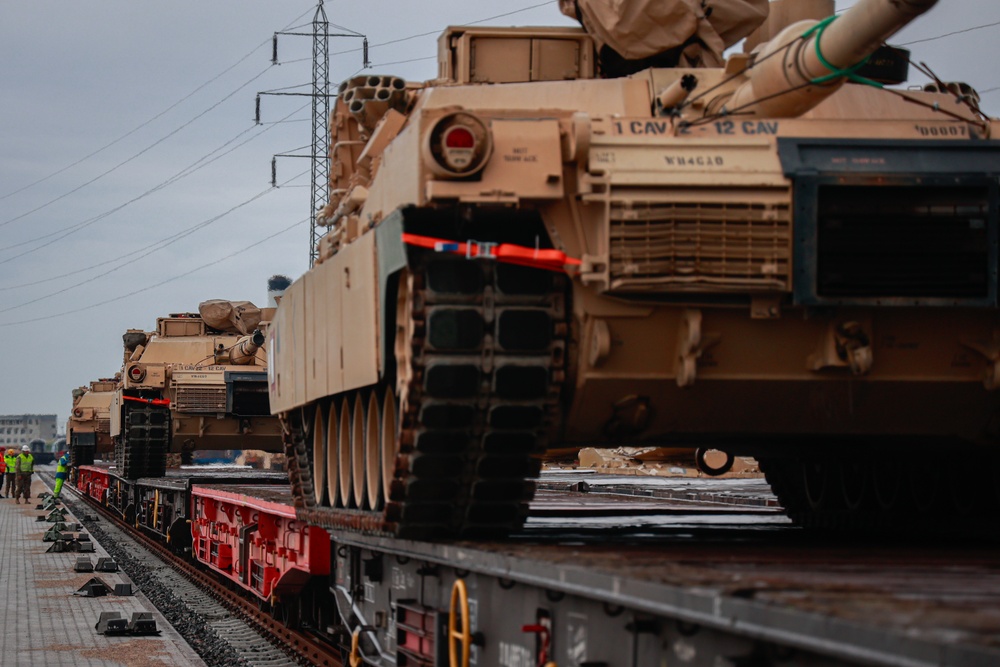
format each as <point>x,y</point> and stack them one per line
<point>551,260</point>
<point>150,401</point>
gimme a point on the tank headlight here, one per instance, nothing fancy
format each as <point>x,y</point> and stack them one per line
<point>136,373</point>
<point>78,413</point>
<point>457,146</point>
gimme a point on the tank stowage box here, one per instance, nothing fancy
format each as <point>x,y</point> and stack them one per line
<point>569,240</point>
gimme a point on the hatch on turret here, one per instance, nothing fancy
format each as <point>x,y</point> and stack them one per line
<point>514,55</point>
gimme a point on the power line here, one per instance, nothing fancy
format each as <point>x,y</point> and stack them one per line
<point>142,125</point>
<point>202,162</point>
<point>949,34</point>
<point>161,245</point>
<point>434,32</point>
<point>159,284</point>
<point>133,157</point>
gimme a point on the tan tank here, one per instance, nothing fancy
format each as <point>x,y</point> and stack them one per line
<point>88,431</point>
<point>197,382</point>
<point>779,257</point>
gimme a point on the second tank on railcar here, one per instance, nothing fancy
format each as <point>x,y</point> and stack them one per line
<point>88,430</point>
<point>772,254</point>
<point>197,382</point>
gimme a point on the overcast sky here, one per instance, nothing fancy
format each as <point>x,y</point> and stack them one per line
<point>134,182</point>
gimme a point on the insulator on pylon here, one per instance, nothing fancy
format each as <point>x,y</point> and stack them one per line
<point>256,116</point>
<point>274,172</point>
<point>274,49</point>
<point>364,47</point>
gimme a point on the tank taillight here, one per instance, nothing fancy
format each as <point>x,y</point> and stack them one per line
<point>136,373</point>
<point>457,146</point>
<point>78,413</point>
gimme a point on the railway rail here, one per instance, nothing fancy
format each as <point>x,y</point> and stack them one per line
<point>296,644</point>
<point>606,571</point>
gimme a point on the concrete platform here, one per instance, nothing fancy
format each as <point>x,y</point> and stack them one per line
<point>45,624</point>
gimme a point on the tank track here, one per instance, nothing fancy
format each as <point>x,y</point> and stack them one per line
<point>82,455</point>
<point>486,352</point>
<point>896,494</point>
<point>141,451</point>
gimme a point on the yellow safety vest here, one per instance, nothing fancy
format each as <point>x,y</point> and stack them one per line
<point>10,461</point>
<point>27,463</point>
<point>62,463</point>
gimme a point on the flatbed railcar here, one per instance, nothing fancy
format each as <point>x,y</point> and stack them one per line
<point>596,578</point>
<point>236,522</point>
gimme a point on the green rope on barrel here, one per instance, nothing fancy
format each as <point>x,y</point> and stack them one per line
<point>850,73</point>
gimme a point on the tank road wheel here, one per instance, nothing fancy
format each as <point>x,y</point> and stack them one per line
<point>924,486</point>
<point>388,442</point>
<point>373,462</point>
<point>965,490</point>
<point>855,479</point>
<point>319,455</point>
<point>358,450</point>
<point>333,455</point>
<point>816,483</point>
<point>344,453</point>
<point>887,478</point>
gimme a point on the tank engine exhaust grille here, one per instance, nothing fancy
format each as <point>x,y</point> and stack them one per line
<point>200,398</point>
<point>700,246</point>
<point>920,242</point>
<point>104,425</point>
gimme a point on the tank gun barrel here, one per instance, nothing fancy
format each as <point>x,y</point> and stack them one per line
<point>244,351</point>
<point>818,56</point>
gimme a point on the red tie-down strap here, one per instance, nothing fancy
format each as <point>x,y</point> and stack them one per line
<point>150,401</point>
<point>551,260</point>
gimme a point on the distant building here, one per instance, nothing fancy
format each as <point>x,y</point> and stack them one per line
<point>17,430</point>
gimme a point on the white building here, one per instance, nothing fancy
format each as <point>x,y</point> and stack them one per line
<point>17,430</point>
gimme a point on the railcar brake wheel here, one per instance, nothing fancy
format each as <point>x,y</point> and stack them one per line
<point>459,604</point>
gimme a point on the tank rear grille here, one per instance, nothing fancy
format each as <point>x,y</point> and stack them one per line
<point>104,425</point>
<point>903,242</point>
<point>200,398</point>
<point>700,246</point>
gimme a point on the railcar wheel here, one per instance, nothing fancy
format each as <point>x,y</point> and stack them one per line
<point>344,453</point>
<point>389,442</point>
<point>373,465</point>
<point>319,456</point>
<point>333,454</point>
<point>358,450</point>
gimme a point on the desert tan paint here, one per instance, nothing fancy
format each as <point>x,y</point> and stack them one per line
<point>578,150</point>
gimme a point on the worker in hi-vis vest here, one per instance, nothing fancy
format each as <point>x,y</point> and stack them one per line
<point>10,459</point>
<point>62,472</point>
<point>24,466</point>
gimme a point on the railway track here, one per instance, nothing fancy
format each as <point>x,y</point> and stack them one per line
<point>711,566</point>
<point>256,637</point>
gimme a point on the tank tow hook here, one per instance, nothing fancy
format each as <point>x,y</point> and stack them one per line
<point>692,343</point>
<point>844,344</point>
